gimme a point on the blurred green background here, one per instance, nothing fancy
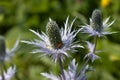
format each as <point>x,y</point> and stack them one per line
<point>17,16</point>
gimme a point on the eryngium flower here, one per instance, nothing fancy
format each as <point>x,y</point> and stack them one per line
<point>97,20</point>
<point>70,74</point>
<point>11,52</point>
<point>9,74</point>
<point>53,33</point>
<point>91,53</point>
<point>6,54</point>
<point>97,27</point>
<point>58,48</point>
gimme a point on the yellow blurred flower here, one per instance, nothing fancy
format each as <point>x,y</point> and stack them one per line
<point>114,57</point>
<point>105,3</point>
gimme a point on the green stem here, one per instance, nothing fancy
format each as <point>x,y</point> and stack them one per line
<point>95,42</point>
<point>87,61</point>
<point>61,68</point>
<point>16,76</point>
<point>84,65</point>
<point>2,71</point>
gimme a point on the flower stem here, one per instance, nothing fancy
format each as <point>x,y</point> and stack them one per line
<point>95,42</point>
<point>87,61</point>
<point>16,76</point>
<point>83,67</point>
<point>2,72</point>
<point>61,68</point>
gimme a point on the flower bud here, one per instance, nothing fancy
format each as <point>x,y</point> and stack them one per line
<point>97,20</point>
<point>2,49</point>
<point>54,34</point>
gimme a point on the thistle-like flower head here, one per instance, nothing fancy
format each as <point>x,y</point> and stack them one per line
<point>57,41</point>
<point>98,27</point>
<point>91,53</point>
<point>11,52</point>
<point>4,53</point>
<point>70,74</point>
<point>53,33</point>
<point>96,21</point>
<point>9,74</point>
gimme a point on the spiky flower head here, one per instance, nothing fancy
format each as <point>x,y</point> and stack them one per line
<point>11,52</point>
<point>9,74</point>
<point>70,74</point>
<point>98,27</point>
<point>53,33</point>
<point>97,20</point>
<point>6,54</point>
<point>56,42</point>
<point>2,49</point>
<point>91,55</point>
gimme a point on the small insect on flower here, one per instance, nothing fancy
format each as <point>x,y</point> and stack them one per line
<point>97,27</point>
<point>57,41</point>
<point>59,45</point>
